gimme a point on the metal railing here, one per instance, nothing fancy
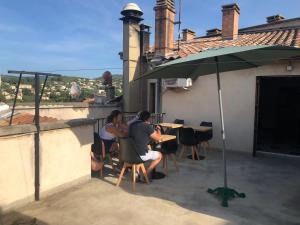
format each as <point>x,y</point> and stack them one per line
<point>155,119</point>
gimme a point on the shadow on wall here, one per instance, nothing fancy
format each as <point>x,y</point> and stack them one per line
<point>83,137</point>
<point>16,218</point>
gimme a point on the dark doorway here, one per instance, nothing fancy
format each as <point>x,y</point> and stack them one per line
<point>278,115</point>
<point>152,98</point>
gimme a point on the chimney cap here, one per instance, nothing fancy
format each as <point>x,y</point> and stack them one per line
<point>145,27</point>
<point>275,18</point>
<point>213,31</point>
<point>232,6</point>
<point>131,7</point>
<point>186,30</point>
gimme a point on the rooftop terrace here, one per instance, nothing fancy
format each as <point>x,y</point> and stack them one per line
<point>270,182</point>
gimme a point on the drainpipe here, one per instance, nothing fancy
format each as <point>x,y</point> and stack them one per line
<point>158,95</point>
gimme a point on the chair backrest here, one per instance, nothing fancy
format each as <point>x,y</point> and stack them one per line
<point>128,152</point>
<point>207,124</point>
<point>208,135</point>
<point>162,130</point>
<point>97,146</point>
<point>179,121</point>
<point>171,131</point>
<point>186,134</point>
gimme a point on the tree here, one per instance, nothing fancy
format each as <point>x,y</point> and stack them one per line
<point>2,97</point>
<point>118,92</point>
<point>86,93</point>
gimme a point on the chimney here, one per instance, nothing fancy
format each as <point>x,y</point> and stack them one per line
<point>214,31</point>
<point>145,37</point>
<point>164,26</point>
<point>230,21</point>
<point>131,17</point>
<point>188,35</point>
<point>275,18</point>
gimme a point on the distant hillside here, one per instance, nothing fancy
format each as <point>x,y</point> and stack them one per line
<point>114,76</point>
<point>29,80</point>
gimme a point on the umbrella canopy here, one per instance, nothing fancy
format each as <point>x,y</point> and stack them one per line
<point>230,58</point>
<point>221,60</point>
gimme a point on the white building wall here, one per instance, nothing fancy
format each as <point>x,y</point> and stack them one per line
<point>200,103</point>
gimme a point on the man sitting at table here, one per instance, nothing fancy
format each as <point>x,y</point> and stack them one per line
<point>142,132</point>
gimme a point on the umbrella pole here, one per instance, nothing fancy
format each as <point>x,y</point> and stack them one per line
<point>224,192</point>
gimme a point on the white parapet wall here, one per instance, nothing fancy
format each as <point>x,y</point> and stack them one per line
<point>67,111</point>
<point>64,159</point>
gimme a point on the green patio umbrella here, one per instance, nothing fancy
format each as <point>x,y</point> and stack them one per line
<point>218,60</point>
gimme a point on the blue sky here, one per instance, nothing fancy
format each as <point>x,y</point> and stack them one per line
<point>52,35</point>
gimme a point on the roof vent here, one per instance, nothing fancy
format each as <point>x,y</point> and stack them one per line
<point>214,31</point>
<point>131,7</point>
<point>275,18</point>
<point>132,12</point>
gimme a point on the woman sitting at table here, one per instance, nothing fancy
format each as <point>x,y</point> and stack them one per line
<point>113,128</point>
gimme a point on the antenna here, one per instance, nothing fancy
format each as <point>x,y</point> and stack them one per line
<point>179,24</point>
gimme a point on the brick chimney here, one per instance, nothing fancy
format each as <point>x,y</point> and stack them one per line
<point>188,34</point>
<point>230,21</point>
<point>164,26</point>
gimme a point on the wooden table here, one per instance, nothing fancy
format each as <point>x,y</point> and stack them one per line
<point>198,128</point>
<point>166,137</point>
<point>171,125</point>
<point>163,138</point>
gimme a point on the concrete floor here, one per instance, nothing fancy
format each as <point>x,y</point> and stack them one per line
<point>271,183</point>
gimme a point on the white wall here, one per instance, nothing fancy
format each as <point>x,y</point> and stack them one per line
<point>16,169</point>
<point>238,89</point>
<point>64,161</point>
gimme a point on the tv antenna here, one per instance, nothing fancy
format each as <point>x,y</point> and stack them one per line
<point>179,25</point>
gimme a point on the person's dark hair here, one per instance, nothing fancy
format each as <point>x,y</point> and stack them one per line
<point>113,114</point>
<point>109,119</point>
<point>144,115</point>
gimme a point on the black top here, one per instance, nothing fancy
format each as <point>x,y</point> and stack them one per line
<point>140,132</point>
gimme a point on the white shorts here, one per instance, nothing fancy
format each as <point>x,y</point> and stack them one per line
<point>150,155</point>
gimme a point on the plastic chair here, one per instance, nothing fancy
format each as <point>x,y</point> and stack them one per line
<point>209,134</point>
<point>179,121</point>
<point>130,157</point>
<point>169,148</point>
<point>188,139</point>
<point>100,150</point>
<point>206,136</point>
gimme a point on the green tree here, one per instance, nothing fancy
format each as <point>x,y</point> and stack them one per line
<point>2,98</point>
<point>87,93</point>
<point>28,98</point>
<point>63,97</point>
<point>118,92</point>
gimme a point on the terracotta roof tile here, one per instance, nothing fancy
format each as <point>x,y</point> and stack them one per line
<point>289,36</point>
<point>26,118</point>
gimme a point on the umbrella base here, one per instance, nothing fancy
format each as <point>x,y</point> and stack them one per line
<point>226,194</point>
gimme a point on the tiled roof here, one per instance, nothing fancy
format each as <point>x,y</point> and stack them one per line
<point>25,118</point>
<point>284,36</point>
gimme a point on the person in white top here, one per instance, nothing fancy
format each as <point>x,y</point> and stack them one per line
<point>113,128</point>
